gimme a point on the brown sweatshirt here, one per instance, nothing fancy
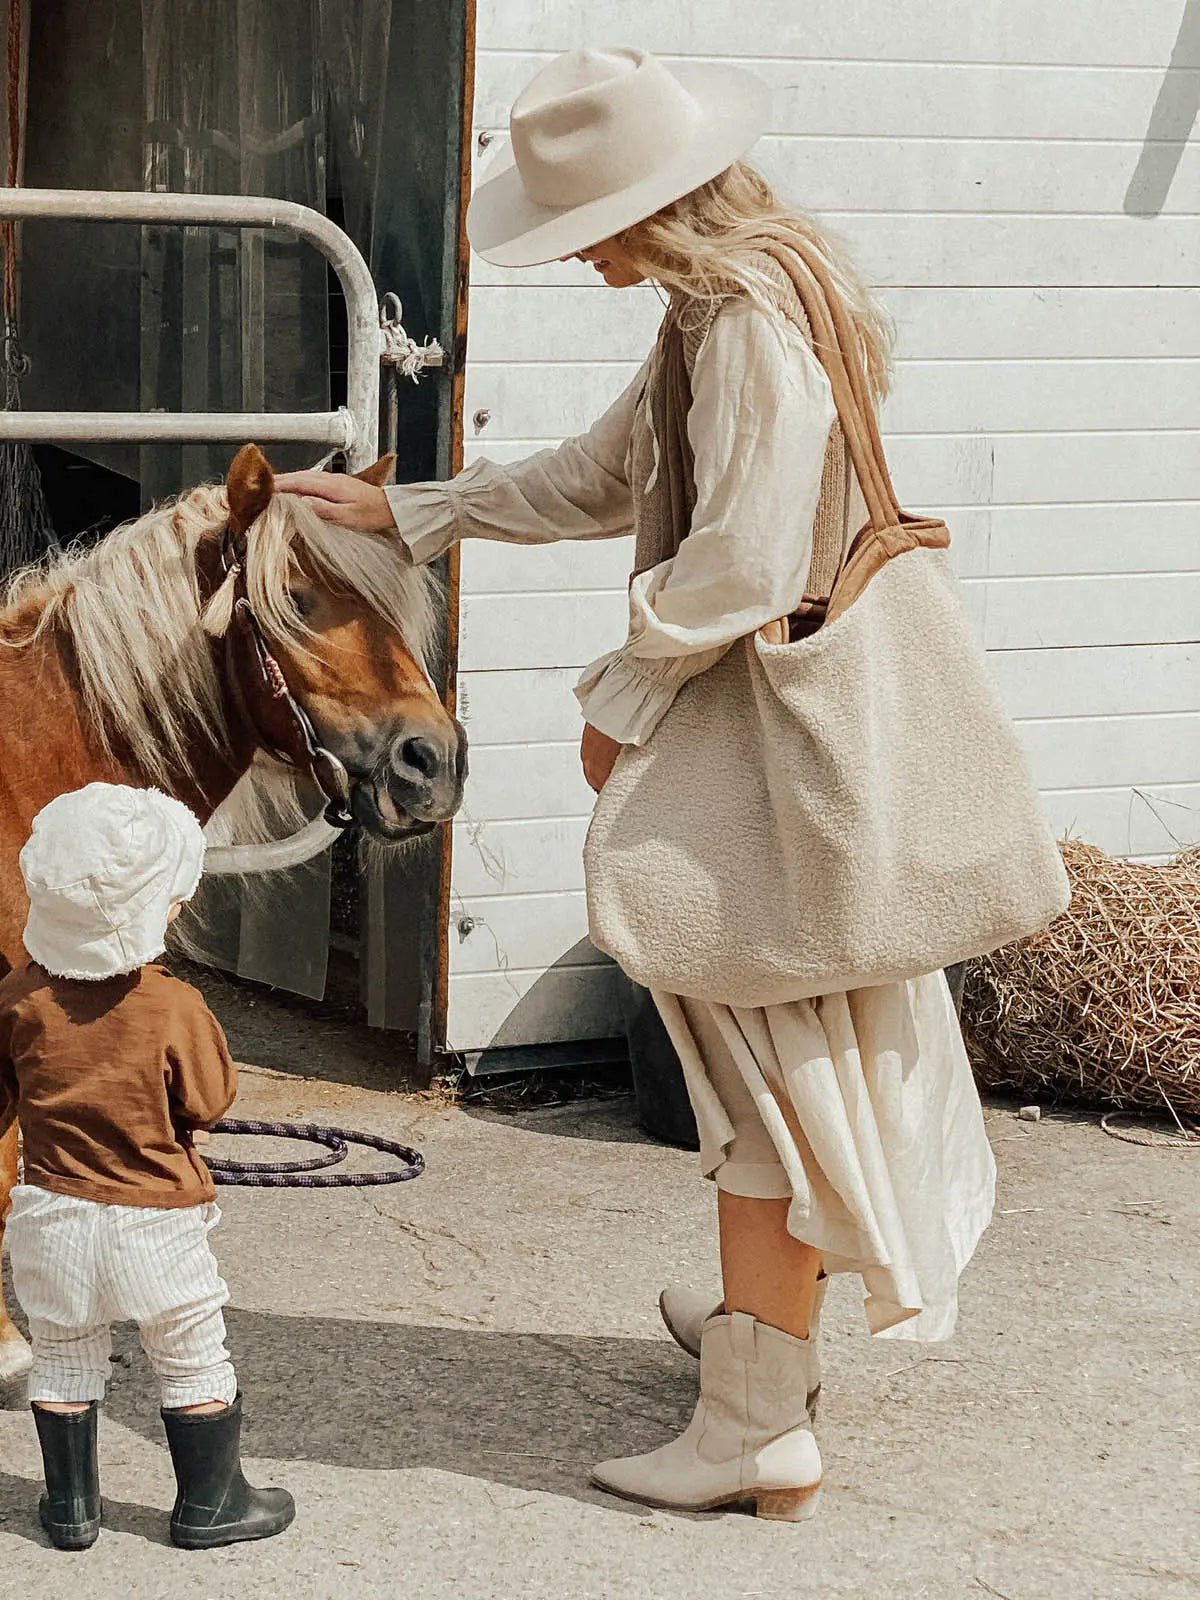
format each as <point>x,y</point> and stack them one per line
<point>108,1079</point>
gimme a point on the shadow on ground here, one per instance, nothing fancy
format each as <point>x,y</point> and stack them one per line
<point>323,1039</point>
<point>529,1411</point>
<point>18,1514</point>
<point>609,1118</point>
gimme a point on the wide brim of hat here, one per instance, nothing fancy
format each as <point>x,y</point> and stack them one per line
<point>509,229</point>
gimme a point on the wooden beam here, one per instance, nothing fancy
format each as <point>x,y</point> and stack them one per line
<point>434,1038</point>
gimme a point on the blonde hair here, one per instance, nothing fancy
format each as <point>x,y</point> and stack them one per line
<point>703,246</point>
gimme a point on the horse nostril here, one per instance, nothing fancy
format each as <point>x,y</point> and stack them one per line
<point>420,755</point>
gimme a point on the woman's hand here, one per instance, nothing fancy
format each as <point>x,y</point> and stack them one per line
<point>337,497</point>
<point>599,755</point>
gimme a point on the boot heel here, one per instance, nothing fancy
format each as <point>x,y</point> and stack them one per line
<point>787,1505</point>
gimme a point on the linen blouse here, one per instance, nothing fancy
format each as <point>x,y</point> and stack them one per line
<point>761,414</point>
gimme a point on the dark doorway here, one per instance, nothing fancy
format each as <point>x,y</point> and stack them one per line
<point>353,107</point>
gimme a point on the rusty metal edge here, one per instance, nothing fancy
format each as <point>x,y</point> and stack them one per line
<point>432,1034</point>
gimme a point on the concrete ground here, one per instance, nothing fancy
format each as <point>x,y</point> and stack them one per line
<point>432,1367</point>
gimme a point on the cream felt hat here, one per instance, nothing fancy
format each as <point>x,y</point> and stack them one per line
<point>602,139</point>
<point>103,866</point>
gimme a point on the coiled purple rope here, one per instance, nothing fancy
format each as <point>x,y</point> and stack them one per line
<point>299,1174</point>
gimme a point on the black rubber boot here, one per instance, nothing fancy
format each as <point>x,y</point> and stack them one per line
<point>215,1505</point>
<point>70,1508</point>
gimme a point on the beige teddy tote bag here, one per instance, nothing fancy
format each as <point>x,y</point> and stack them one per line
<point>847,809</point>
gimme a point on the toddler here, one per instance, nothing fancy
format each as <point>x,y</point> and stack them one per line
<point>112,1065</point>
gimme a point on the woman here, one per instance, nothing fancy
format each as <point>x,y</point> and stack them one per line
<point>871,1157</point>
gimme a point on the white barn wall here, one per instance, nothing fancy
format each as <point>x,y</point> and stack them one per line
<point>1047,403</point>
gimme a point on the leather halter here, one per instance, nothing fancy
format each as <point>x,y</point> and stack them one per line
<point>284,728</point>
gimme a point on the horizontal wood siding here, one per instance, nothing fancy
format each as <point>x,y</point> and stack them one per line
<point>908,100</point>
<point>522,322</point>
<point>925,248</point>
<point>938,396</point>
<point>987,165</point>
<point>1019,33</point>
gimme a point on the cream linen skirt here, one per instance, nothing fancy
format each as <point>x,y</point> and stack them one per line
<point>862,1110</point>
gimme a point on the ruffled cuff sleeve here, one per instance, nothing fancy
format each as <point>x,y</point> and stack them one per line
<point>626,696</point>
<point>426,516</point>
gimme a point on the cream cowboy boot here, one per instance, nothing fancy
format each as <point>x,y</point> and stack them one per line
<point>685,1311</point>
<point>749,1437</point>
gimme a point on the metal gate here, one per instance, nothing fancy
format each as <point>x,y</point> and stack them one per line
<point>353,428</point>
<point>375,336</point>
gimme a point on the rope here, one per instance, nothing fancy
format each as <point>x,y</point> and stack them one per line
<point>337,1148</point>
<point>397,349</point>
<point>1152,1138</point>
<point>298,1174</point>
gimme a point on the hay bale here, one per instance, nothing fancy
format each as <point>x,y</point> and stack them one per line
<point>1104,1007</point>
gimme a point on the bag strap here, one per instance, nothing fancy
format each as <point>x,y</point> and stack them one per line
<point>836,579</point>
<point>890,532</point>
<point>830,522</point>
<point>837,350</point>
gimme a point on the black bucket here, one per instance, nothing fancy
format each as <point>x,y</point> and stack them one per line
<point>663,1107</point>
<point>956,977</point>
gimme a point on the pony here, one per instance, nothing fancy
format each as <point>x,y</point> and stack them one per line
<point>127,662</point>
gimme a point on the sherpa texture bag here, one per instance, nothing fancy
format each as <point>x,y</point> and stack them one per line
<point>840,809</point>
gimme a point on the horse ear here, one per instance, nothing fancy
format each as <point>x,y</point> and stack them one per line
<point>250,485</point>
<point>380,473</point>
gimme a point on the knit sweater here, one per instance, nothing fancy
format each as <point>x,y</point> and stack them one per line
<point>658,525</point>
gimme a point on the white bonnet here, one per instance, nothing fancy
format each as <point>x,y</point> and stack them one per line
<point>103,867</point>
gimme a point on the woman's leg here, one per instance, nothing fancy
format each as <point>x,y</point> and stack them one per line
<point>766,1272</point>
<point>750,1437</point>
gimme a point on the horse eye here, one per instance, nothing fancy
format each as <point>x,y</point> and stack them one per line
<point>304,601</point>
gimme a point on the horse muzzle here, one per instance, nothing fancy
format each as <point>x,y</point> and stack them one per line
<point>417,786</point>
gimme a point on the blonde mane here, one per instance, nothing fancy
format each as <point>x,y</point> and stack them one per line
<point>141,637</point>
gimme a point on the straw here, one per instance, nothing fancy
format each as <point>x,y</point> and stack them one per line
<point>1102,1009</point>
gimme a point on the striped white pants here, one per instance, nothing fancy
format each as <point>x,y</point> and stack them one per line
<point>79,1266</point>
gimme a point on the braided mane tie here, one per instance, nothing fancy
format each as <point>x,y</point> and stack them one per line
<point>298,1174</point>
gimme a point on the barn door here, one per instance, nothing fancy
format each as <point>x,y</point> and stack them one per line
<point>350,106</point>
